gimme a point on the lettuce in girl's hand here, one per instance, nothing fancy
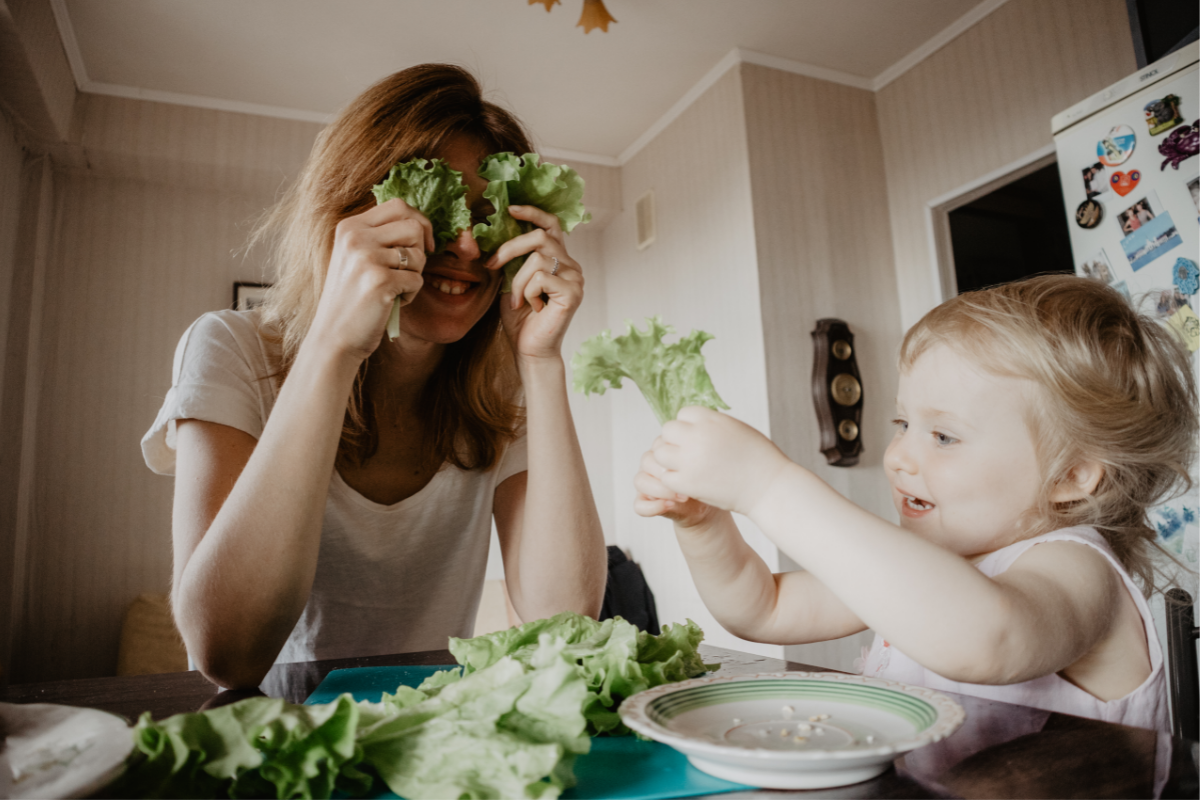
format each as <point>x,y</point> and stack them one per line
<point>670,376</point>
<point>526,182</point>
<point>435,190</point>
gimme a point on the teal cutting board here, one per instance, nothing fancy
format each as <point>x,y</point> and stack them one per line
<point>618,767</point>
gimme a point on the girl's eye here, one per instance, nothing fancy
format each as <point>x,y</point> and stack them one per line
<point>943,438</point>
<point>901,424</point>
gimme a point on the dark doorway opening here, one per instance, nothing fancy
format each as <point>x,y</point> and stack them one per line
<point>1016,231</point>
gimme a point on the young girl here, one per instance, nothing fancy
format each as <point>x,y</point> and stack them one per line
<point>1044,412</point>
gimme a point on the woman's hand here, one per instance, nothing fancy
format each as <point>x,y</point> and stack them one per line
<point>543,300</point>
<point>656,500</point>
<point>717,459</point>
<point>378,256</point>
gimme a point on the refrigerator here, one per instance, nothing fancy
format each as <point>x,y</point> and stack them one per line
<point>1128,163</point>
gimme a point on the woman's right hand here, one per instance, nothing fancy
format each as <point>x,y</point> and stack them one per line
<point>377,257</point>
<point>656,500</point>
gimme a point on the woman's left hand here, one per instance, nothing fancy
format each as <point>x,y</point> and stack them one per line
<point>544,299</point>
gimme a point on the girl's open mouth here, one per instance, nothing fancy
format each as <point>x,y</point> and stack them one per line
<point>914,507</point>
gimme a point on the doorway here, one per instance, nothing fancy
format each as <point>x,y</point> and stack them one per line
<point>1014,231</point>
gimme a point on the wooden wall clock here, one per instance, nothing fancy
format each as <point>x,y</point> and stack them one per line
<point>837,392</point>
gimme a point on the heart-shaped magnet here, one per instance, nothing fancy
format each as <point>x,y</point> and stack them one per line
<point>1123,182</point>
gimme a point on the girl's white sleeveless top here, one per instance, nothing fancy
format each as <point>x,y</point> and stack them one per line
<point>1144,707</point>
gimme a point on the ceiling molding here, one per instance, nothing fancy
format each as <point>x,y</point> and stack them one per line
<point>733,58</point>
<point>947,35</point>
<point>200,101</point>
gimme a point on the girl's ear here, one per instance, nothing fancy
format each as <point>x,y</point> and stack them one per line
<point>1081,481</point>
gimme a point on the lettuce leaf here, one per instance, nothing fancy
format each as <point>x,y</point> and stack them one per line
<point>670,376</point>
<point>435,190</point>
<point>512,730</point>
<point>524,181</point>
<point>259,747</point>
<point>613,657</point>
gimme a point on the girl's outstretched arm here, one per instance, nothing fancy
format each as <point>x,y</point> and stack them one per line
<point>736,585</point>
<point>1045,614</point>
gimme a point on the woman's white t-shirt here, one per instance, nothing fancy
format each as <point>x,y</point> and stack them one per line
<point>390,579</point>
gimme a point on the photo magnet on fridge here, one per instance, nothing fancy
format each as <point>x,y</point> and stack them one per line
<point>1116,146</point>
<point>1097,268</point>
<point>1149,231</point>
<point>1095,179</point>
<point>1162,115</point>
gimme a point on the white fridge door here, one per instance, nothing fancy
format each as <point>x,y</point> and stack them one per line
<point>1126,158</point>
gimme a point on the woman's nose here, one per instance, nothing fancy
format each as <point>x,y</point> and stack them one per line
<point>465,246</point>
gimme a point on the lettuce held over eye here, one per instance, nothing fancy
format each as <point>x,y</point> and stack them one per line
<point>670,376</point>
<point>435,190</point>
<point>526,182</point>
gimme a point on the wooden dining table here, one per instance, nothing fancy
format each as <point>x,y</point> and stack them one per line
<point>1000,751</point>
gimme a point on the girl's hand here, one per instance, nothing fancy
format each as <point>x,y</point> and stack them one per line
<point>378,256</point>
<point>717,459</point>
<point>535,326</point>
<point>656,500</point>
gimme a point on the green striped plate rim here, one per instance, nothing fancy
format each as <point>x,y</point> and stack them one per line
<point>912,709</point>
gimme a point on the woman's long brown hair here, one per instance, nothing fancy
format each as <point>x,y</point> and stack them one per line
<point>468,407</point>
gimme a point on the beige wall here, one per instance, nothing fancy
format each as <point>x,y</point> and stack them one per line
<point>816,169</point>
<point>700,272</point>
<point>985,101</point>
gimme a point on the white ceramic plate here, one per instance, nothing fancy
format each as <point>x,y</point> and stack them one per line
<point>792,730</point>
<point>60,751</point>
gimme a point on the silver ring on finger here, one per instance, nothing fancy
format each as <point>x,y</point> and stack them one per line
<point>403,256</point>
<point>554,269</point>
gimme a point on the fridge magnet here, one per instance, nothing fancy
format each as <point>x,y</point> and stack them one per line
<point>1194,189</point>
<point>1186,325</point>
<point>1125,182</point>
<point>1136,216</point>
<point>1089,214</point>
<point>1162,115</point>
<point>1097,268</point>
<point>1167,302</point>
<point>1116,147</point>
<point>1180,145</point>
<point>1149,233</point>
<point>1095,179</point>
<point>1187,276</point>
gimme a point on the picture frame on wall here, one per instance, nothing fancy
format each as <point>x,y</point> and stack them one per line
<point>248,295</point>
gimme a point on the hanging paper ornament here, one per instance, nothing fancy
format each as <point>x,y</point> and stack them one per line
<point>546,3</point>
<point>1187,276</point>
<point>594,15</point>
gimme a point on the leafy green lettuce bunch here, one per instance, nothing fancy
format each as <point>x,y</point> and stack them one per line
<point>512,730</point>
<point>435,190</point>
<point>438,192</point>
<point>524,181</point>
<point>613,657</point>
<point>670,376</point>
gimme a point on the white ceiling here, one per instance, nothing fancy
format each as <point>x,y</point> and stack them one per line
<point>595,96</point>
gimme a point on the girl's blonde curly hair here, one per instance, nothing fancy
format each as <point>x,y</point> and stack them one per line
<point>1116,387</point>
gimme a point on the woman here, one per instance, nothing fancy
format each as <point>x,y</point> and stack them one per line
<point>335,490</point>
